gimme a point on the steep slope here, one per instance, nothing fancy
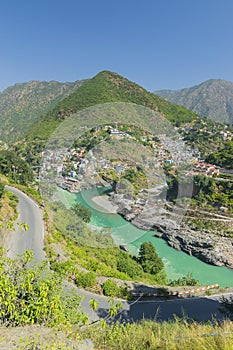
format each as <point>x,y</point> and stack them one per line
<point>212,99</point>
<point>22,104</point>
<point>106,87</point>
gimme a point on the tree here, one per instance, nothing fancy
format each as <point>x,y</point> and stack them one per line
<point>223,157</point>
<point>149,259</point>
<point>15,168</point>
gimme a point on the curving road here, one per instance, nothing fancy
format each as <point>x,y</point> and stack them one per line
<point>18,241</point>
<point>200,309</point>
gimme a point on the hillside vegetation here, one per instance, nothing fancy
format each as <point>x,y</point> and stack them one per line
<point>223,157</point>
<point>22,104</point>
<point>8,211</point>
<point>38,313</point>
<point>213,99</point>
<point>106,87</point>
<point>15,168</point>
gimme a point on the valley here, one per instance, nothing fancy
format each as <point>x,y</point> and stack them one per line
<point>143,193</point>
<point>200,232</point>
<point>116,175</point>
<point>162,173</point>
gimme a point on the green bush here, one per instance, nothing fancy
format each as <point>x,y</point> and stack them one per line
<point>13,200</point>
<point>86,280</point>
<point>31,295</point>
<point>187,280</point>
<point>64,268</point>
<point>110,288</point>
<point>126,264</point>
<point>124,293</point>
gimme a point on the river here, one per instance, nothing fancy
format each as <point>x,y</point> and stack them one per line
<point>176,263</point>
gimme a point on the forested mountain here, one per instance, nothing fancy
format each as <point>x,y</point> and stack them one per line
<point>22,104</point>
<point>106,87</point>
<point>212,99</point>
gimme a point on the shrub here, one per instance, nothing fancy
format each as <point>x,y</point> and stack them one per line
<point>64,268</point>
<point>31,295</point>
<point>110,288</point>
<point>187,280</point>
<point>126,264</point>
<point>86,280</point>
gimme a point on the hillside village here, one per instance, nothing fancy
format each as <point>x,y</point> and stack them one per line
<point>73,167</point>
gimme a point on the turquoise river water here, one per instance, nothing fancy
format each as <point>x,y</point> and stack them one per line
<point>176,263</point>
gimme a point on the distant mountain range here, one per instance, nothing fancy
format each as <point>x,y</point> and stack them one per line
<point>35,108</point>
<point>22,104</point>
<point>213,99</point>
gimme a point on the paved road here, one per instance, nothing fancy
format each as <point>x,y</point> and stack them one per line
<point>18,241</point>
<point>226,171</point>
<point>200,309</point>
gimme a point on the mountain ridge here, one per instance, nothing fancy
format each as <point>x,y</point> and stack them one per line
<point>212,98</point>
<point>106,87</point>
<point>23,103</point>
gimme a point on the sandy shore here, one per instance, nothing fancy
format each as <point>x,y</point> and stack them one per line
<point>105,204</point>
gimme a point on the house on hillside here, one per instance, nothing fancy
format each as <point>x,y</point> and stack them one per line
<point>70,184</point>
<point>205,169</point>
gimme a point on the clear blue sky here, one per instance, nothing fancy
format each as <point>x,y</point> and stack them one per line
<point>156,43</point>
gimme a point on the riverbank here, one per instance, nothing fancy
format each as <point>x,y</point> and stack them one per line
<point>212,248</point>
<point>104,203</point>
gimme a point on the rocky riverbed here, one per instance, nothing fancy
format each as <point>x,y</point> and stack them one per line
<point>171,225</point>
<point>208,247</point>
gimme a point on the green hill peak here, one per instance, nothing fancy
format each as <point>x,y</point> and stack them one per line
<point>106,87</point>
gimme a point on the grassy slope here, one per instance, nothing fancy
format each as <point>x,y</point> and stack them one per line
<point>144,335</point>
<point>106,87</point>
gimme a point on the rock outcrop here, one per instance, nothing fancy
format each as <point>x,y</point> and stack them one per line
<point>205,246</point>
<point>170,225</point>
